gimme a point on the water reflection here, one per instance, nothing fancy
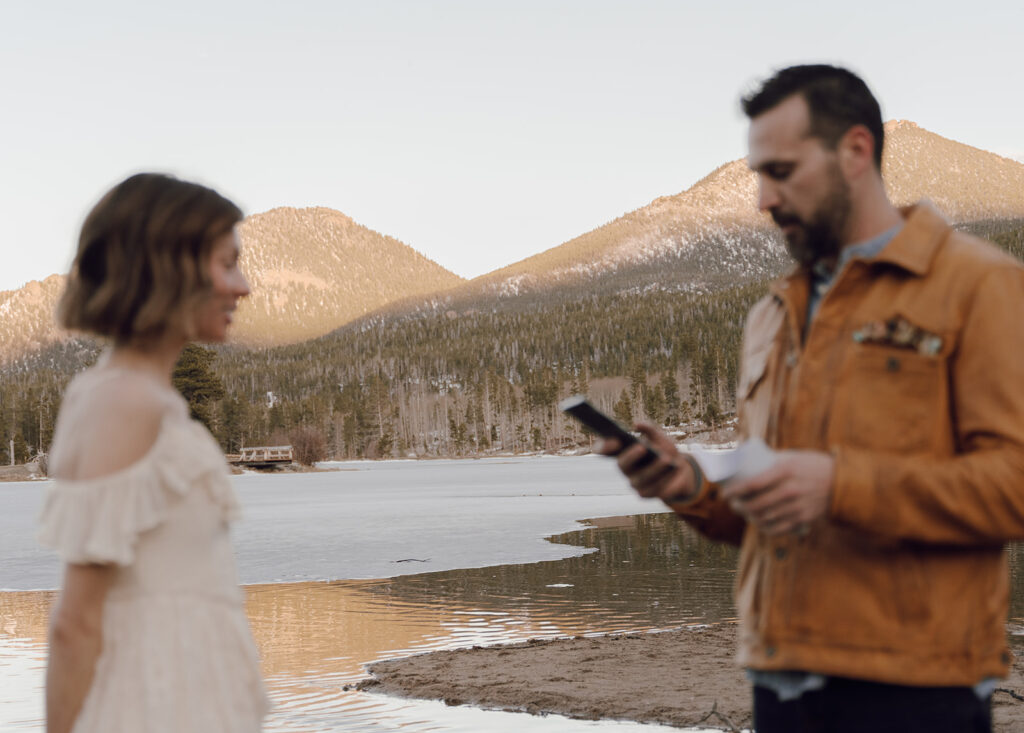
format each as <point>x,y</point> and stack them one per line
<point>315,638</point>
<point>23,622</point>
<point>648,572</point>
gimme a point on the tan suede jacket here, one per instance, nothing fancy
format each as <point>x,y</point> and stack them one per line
<point>912,376</point>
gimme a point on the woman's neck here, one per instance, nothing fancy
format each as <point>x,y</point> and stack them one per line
<point>156,360</point>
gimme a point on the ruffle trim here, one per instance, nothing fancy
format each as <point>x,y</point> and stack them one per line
<point>100,520</point>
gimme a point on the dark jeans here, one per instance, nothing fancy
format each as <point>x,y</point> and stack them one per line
<point>854,706</point>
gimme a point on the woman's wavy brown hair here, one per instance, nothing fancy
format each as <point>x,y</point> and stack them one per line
<point>141,265</point>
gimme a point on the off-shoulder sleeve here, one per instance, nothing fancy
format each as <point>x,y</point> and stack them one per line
<point>100,520</point>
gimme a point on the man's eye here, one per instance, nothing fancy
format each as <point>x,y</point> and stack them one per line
<point>779,172</point>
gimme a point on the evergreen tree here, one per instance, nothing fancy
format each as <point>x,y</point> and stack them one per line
<point>670,388</point>
<point>194,377</point>
<point>21,449</point>
<point>231,424</point>
<point>654,403</point>
<point>712,415</point>
<point>623,409</point>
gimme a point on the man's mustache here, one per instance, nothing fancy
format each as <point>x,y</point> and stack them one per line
<point>782,218</point>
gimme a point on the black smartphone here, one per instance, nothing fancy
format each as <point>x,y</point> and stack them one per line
<point>580,408</point>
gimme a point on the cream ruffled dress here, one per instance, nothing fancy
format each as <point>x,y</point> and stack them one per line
<point>178,654</point>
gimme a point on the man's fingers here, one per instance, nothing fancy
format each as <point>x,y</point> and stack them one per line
<point>788,497</point>
<point>635,462</point>
<point>631,458</point>
<point>783,510</point>
<point>654,483</point>
<point>658,439</point>
<point>649,479</point>
<point>609,446</point>
<point>667,476</point>
<point>754,484</point>
<point>678,485</point>
<point>743,489</point>
<point>769,501</point>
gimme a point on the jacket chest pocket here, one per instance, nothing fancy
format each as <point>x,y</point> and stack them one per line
<point>891,399</point>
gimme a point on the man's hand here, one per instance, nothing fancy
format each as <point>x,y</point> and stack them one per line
<point>787,498</point>
<point>670,477</point>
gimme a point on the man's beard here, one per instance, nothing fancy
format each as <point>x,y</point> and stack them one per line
<point>820,238</point>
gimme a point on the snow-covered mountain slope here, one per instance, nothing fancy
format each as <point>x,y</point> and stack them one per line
<point>713,231</point>
<point>311,271</point>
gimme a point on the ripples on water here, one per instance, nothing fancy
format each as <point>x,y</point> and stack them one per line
<point>649,572</point>
<point>23,620</point>
<point>316,637</point>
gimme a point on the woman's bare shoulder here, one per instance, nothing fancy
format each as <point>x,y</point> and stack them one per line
<point>113,421</point>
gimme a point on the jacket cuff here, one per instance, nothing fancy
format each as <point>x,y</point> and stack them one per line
<point>694,505</point>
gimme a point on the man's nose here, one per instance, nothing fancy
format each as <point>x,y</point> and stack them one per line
<point>767,194</point>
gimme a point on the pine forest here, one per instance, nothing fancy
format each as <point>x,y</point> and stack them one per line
<point>456,379</point>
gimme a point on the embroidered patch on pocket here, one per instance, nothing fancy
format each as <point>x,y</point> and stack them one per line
<point>901,333</point>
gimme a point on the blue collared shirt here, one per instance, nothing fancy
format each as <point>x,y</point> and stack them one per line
<point>822,278</point>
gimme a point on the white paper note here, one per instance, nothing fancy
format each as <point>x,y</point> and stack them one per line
<point>723,466</point>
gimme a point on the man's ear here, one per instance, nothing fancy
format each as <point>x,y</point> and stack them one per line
<point>856,151</point>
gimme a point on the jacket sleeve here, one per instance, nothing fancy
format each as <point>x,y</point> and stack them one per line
<point>976,496</point>
<point>707,513</point>
<point>711,516</point>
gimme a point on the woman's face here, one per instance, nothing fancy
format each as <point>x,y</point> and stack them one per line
<point>228,284</point>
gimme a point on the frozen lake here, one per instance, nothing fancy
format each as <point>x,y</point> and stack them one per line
<point>378,519</point>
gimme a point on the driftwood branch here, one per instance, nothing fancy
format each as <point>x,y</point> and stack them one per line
<point>722,717</point>
<point>1011,693</point>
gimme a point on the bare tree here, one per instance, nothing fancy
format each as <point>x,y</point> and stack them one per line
<point>308,445</point>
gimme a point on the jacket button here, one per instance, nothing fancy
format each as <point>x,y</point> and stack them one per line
<point>1006,658</point>
<point>769,651</point>
<point>892,364</point>
<point>780,553</point>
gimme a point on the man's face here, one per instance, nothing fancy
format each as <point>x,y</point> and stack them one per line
<point>799,182</point>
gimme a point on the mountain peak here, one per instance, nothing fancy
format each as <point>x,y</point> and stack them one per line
<point>303,212</point>
<point>315,269</point>
<point>900,125</point>
<point>312,270</point>
<point>966,183</point>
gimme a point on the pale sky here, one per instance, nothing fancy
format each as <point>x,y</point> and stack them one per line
<point>478,132</point>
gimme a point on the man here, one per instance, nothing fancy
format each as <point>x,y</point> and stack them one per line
<point>886,371</point>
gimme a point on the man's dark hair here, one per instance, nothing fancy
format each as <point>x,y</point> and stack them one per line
<point>837,99</point>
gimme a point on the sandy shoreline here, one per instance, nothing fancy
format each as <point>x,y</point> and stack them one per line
<point>682,678</point>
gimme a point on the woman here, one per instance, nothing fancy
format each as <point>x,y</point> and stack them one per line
<point>149,632</point>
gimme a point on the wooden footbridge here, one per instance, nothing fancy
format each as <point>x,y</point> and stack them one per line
<point>264,456</point>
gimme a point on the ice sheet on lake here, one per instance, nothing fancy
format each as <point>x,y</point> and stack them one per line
<point>380,519</point>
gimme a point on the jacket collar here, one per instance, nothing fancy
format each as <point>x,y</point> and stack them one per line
<point>915,245</point>
<point>913,248</point>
